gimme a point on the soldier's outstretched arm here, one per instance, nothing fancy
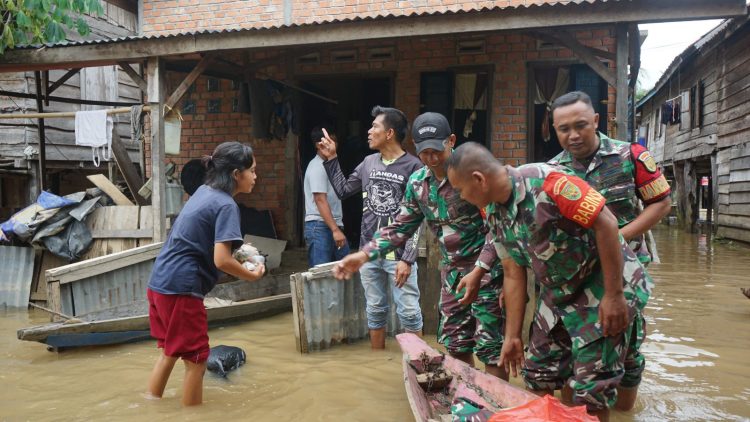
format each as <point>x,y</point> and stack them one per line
<point>514,291</point>
<point>613,310</point>
<point>647,219</point>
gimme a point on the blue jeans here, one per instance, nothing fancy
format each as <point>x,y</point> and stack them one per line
<point>376,276</point>
<point>320,245</point>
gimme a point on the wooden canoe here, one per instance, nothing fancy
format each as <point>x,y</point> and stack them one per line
<point>96,332</point>
<point>486,390</point>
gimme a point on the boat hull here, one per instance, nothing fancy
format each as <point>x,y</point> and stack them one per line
<point>60,336</point>
<point>489,391</point>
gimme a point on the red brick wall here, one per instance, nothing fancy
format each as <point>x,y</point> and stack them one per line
<point>203,131</point>
<point>507,53</point>
<point>170,16</point>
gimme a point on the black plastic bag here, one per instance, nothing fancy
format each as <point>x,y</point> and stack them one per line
<point>224,359</point>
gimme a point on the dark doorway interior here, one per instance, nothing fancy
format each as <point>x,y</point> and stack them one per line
<point>581,78</point>
<point>461,95</point>
<point>349,121</point>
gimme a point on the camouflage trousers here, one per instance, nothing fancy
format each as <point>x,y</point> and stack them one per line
<point>477,328</point>
<point>593,369</point>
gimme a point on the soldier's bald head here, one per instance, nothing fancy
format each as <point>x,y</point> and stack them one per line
<point>471,157</point>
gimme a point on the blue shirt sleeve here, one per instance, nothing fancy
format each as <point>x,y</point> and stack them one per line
<point>228,225</point>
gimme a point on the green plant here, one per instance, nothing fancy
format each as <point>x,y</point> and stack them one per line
<point>43,21</point>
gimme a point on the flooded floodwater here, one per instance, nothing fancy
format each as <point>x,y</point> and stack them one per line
<point>697,351</point>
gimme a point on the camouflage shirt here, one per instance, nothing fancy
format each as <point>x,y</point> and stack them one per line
<point>458,225</point>
<point>546,226</point>
<point>623,173</point>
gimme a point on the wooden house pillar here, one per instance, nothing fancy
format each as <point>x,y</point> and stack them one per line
<point>621,105</point>
<point>157,83</point>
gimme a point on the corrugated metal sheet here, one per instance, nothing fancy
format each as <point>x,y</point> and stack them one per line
<point>112,289</point>
<point>16,274</point>
<point>428,11</point>
<point>333,311</point>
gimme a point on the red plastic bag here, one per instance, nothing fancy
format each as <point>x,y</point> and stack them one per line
<point>544,409</point>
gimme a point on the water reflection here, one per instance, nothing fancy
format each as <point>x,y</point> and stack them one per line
<point>697,361</point>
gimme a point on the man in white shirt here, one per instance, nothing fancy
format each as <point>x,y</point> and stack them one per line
<point>323,218</point>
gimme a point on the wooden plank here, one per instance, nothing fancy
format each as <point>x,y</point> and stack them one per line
<point>68,100</point>
<point>298,310</point>
<point>134,76</point>
<point>621,84</point>
<point>733,113</point>
<point>181,89</point>
<point>737,221</point>
<point>53,296</point>
<point>129,173</point>
<point>48,261</point>
<point>375,29</point>
<point>102,264</point>
<point>734,233</point>
<point>145,222</point>
<point>738,187</point>
<point>156,97</point>
<point>122,234</point>
<point>112,218</point>
<point>101,181</point>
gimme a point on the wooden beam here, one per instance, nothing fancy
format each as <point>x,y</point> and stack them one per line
<point>634,58</point>
<point>64,78</point>
<point>45,86</point>
<point>157,82</point>
<point>132,178</point>
<point>108,53</point>
<point>621,109</point>
<point>68,100</point>
<point>121,234</point>
<point>134,76</point>
<point>181,89</point>
<point>566,39</point>
<point>42,137</point>
<point>634,53</point>
<point>63,114</point>
<point>76,271</point>
<point>595,51</point>
<point>101,182</point>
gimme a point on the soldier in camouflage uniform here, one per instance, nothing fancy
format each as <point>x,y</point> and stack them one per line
<point>592,284</point>
<point>624,174</point>
<point>471,321</point>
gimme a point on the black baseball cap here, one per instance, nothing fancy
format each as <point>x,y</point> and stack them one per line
<point>430,130</point>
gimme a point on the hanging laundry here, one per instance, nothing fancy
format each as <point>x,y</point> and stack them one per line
<point>676,112</point>
<point>94,129</point>
<point>666,112</point>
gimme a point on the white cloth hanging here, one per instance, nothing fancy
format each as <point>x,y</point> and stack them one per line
<point>94,129</point>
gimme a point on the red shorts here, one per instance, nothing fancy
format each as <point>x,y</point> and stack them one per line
<point>180,325</point>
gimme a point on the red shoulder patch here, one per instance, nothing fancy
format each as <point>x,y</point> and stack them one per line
<point>651,184</point>
<point>576,200</point>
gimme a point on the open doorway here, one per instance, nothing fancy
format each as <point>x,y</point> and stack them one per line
<point>547,81</point>
<point>349,120</point>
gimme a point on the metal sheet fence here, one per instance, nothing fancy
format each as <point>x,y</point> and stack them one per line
<point>328,311</point>
<point>111,289</point>
<point>16,274</point>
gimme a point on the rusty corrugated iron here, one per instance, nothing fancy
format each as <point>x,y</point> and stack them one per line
<point>16,274</point>
<point>328,311</point>
<point>456,9</point>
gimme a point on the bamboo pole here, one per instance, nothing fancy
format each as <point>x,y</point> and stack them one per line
<point>63,114</point>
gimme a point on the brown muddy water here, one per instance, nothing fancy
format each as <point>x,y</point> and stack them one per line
<point>697,349</point>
